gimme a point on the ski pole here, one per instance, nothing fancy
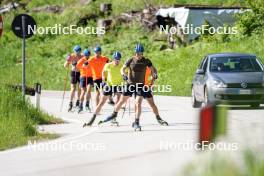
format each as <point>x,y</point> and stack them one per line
<point>65,84</point>
<point>129,107</point>
<point>124,110</point>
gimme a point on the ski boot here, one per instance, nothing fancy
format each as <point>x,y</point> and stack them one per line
<point>114,122</point>
<point>70,107</point>
<point>111,102</point>
<point>161,121</point>
<point>112,116</point>
<point>80,108</point>
<point>77,104</point>
<point>136,126</point>
<point>90,123</point>
<point>87,106</point>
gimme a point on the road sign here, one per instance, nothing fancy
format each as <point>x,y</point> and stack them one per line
<point>1,25</point>
<point>23,26</point>
<point>17,27</point>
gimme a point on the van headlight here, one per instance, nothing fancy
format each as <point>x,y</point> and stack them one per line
<point>219,84</point>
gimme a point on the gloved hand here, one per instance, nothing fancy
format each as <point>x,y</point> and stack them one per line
<point>74,63</point>
<point>125,77</point>
<point>86,63</point>
<point>103,84</point>
<point>155,76</point>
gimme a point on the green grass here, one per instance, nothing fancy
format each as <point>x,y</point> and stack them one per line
<point>242,163</point>
<point>19,119</point>
<point>46,54</point>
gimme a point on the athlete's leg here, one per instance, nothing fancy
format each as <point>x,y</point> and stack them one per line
<point>121,101</point>
<point>118,95</point>
<point>73,88</point>
<point>83,90</point>
<point>138,107</point>
<point>100,104</point>
<point>89,95</point>
<point>153,106</point>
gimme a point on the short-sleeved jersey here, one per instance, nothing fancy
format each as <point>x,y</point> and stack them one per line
<point>137,70</point>
<point>73,60</point>
<point>114,77</point>
<point>85,70</point>
<point>97,65</point>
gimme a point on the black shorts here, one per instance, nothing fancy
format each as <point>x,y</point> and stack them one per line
<point>98,84</point>
<point>84,81</point>
<point>139,90</point>
<point>110,90</point>
<point>75,77</point>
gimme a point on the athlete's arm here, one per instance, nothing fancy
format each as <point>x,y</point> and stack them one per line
<point>68,61</point>
<point>104,73</point>
<point>80,63</point>
<point>154,72</point>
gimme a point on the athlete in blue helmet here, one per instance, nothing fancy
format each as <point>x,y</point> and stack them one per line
<point>72,59</point>
<point>112,80</point>
<point>135,79</point>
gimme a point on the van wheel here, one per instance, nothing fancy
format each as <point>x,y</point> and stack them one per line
<point>195,103</point>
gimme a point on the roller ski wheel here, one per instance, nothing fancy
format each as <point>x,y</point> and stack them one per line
<point>100,122</point>
<point>114,123</point>
<point>162,122</point>
<point>111,117</point>
<point>89,124</point>
<point>88,109</point>
<point>136,126</point>
<point>86,125</point>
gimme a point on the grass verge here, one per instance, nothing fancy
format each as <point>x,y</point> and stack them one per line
<point>19,120</point>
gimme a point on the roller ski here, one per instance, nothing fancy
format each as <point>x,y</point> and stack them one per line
<point>111,117</point>
<point>136,126</point>
<point>114,122</point>
<point>162,122</point>
<point>80,109</point>
<point>90,123</point>
<point>111,102</point>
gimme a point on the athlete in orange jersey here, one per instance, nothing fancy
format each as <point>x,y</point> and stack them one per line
<point>75,74</point>
<point>86,80</point>
<point>97,63</point>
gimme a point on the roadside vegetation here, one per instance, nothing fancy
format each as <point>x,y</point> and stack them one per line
<point>19,120</point>
<point>46,54</point>
<point>243,163</point>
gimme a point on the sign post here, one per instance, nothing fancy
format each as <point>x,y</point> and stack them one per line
<point>20,27</point>
<point>23,57</point>
<point>1,25</point>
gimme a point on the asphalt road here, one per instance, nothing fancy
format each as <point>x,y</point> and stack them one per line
<point>119,151</point>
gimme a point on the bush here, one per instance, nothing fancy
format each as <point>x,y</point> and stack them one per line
<point>252,21</point>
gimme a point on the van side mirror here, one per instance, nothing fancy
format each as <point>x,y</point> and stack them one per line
<point>200,72</point>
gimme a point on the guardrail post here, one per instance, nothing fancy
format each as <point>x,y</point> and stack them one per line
<point>37,95</point>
